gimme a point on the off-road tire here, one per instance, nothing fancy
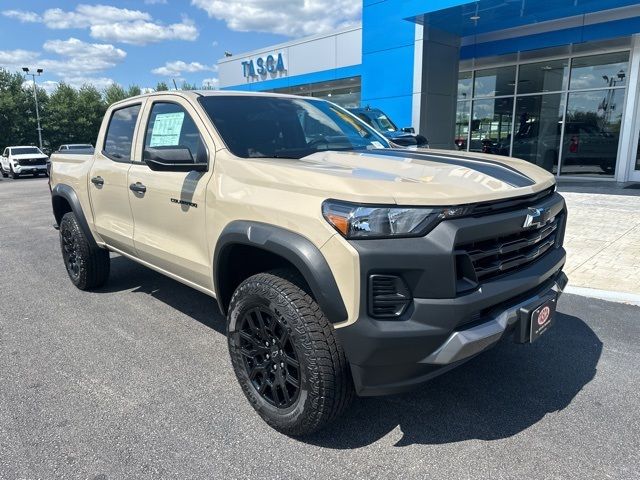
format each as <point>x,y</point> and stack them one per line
<point>325,387</point>
<point>87,266</point>
<point>14,175</point>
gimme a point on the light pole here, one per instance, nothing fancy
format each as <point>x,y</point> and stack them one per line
<point>35,96</point>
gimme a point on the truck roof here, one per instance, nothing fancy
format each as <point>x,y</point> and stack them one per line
<point>193,94</point>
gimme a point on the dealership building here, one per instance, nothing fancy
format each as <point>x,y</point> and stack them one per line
<point>555,82</point>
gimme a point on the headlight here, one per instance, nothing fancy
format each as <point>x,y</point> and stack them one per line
<point>368,221</point>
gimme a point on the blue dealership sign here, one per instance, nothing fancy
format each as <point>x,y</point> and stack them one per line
<point>261,66</point>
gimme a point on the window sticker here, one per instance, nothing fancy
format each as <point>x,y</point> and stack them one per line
<point>377,144</point>
<point>166,129</point>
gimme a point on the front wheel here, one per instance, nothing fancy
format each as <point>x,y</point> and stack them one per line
<point>87,266</point>
<point>3,171</point>
<point>14,175</point>
<point>285,355</point>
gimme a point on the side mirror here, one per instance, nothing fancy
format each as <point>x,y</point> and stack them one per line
<point>172,159</point>
<point>408,130</point>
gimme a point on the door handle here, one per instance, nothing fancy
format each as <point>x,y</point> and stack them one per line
<point>97,181</point>
<point>137,187</point>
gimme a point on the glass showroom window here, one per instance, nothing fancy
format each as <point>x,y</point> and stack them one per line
<point>564,115</point>
<point>491,122</point>
<point>594,117</point>
<point>592,132</point>
<point>538,129</point>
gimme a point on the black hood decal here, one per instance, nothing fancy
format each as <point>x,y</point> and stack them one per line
<point>497,170</point>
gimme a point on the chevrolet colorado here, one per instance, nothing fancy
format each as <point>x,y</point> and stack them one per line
<point>343,266</point>
<point>16,161</point>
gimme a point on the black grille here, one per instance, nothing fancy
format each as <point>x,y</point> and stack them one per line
<point>388,296</point>
<point>23,162</point>
<point>493,257</point>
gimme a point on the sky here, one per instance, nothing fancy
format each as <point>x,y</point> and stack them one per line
<point>144,42</point>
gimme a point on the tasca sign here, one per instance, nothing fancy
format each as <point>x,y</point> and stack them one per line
<point>269,64</point>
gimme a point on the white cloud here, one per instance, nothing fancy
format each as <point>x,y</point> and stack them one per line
<point>99,82</point>
<point>16,59</point>
<point>213,83</point>
<point>82,56</point>
<point>142,33</point>
<point>88,15</point>
<point>109,23</point>
<point>48,85</point>
<point>291,18</point>
<point>23,16</point>
<point>178,67</point>
<point>77,62</point>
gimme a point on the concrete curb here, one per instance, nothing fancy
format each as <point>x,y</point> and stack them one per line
<point>619,297</point>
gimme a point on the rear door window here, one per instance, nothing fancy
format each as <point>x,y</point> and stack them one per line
<point>119,138</point>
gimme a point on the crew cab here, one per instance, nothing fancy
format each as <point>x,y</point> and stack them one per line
<point>342,264</point>
<point>23,160</point>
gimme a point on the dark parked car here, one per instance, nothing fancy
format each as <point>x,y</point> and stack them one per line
<point>375,117</point>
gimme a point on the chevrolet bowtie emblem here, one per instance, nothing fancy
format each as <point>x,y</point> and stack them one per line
<point>535,217</point>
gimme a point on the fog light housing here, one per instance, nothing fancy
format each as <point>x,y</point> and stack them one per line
<point>389,296</point>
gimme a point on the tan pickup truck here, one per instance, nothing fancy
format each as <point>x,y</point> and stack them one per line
<point>344,264</point>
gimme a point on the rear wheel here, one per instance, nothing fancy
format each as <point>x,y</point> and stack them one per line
<point>87,266</point>
<point>3,171</point>
<point>285,355</point>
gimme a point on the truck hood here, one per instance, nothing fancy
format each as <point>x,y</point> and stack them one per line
<point>406,177</point>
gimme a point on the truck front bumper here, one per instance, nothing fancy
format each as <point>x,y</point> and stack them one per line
<point>27,169</point>
<point>389,357</point>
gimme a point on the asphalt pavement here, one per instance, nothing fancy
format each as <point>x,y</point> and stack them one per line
<point>134,381</point>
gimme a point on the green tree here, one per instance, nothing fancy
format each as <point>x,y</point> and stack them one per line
<point>17,110</point>
<point>91,109</point>
<point>114,93</point>
<point>61,119</point>
<point>133,91</point>
<point>189,86</point>
<point>162,87</point>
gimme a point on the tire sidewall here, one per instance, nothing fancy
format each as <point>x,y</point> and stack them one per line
<point>251,295</point>
<point>70,224</point>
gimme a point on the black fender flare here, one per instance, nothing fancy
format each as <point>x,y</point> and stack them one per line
<point>293,247</point>
<point>62,191</point>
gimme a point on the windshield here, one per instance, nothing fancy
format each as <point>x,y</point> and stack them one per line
<point>381,121</point>
<point>26,151</point>
<point>264,127</point>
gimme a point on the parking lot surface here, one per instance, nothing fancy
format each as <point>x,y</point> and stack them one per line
<point>134,381</point>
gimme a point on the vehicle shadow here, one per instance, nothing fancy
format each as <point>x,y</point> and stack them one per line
<point>128,275</point>
<point>495,395</point>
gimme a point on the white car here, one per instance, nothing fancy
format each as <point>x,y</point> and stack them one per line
<point>25,160</point>
<point>85,148</point>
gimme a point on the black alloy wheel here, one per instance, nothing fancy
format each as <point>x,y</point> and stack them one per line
<point>270,359</point>
<point>70,253</point>
<point>88,266</point>
<point>286,355</point>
